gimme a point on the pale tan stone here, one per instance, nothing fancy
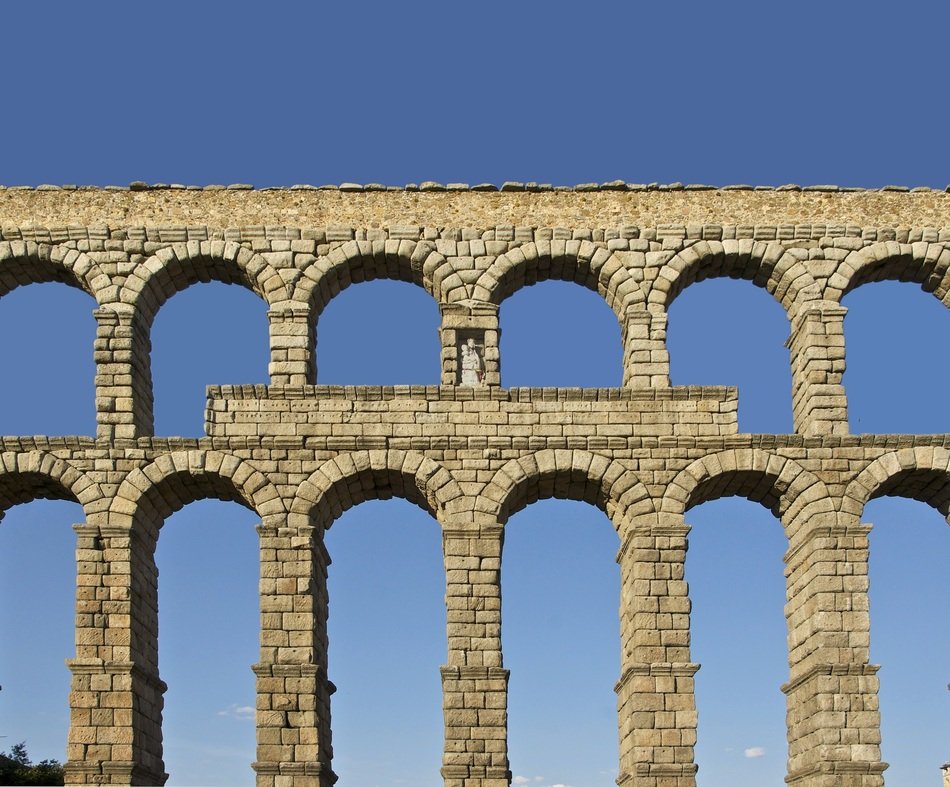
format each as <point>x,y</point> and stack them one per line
<point>474,454</point>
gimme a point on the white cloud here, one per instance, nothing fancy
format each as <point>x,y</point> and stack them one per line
<point>242,712</point>
<point>521,780</point>
<point>754,751</point>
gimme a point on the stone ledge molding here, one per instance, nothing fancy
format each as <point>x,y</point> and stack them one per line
<point>656,670</point>
<point>455,393</point>
<point>474,672</point>
<point>101,667</point>
<point>287,670</point>
<point>285,772</point>
<point>808,535</point>
<point>838,770</point>
<point>623,238</point>
<point>662,769</point>
<point>475,772</point>
<point>158,445</point>
<point>825,670</point>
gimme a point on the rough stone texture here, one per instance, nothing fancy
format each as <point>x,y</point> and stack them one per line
<point>473,454</point>
<point>546,207</point>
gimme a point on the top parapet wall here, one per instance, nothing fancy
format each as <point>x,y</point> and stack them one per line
<point>430,204</point>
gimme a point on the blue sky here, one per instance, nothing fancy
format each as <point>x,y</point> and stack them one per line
<point>323,93</point>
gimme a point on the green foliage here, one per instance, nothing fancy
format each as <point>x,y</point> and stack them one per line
<point>16,768</point>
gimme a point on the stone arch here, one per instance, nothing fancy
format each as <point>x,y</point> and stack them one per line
<point>583,262</point>
<point>355,261</point>
<point>147,496</point>
<point>780,484</point>
<point>352,478</point>
<point>567,475</point>
<point>176,267</point>
<point>921,473</point>
<point>927,264</point>
<point>150,494</point>
<point>767,265</point>
<point>35,475</point>
<point>26,262</point>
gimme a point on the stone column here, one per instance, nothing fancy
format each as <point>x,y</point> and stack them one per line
<point>646,361</point>
<point>832,704</point>
<point>293,693</point>
<point>123,376</point>
<point>816,346</point>
<point>292,347</point>
<point>477,321</point>
<point>655,694</point>
<point>116,697</point>
<point>474,682</point>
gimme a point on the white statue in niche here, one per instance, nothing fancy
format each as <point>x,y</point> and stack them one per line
<point>473,367</point>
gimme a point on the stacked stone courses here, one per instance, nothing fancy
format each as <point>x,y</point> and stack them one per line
<point>299,453</point>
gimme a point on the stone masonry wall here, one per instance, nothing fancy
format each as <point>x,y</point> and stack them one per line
<point>469,451</point>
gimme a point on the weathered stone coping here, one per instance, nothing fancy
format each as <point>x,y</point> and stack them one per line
<point>432,205</point>
<point>507,186</point>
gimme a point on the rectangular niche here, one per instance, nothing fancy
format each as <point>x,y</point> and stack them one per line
<point>470,358</point>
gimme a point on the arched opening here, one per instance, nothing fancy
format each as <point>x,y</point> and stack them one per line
<point>387,623</point>
<point>735,571</point>
<point>910,638</point>
<point>151,494</point>
<point>896,378</point>
<point>561,642</point>
<point>211,334</point>
<point>557,333</point>
<point>47,356</point>
<point>208,612</point>
<point>37,618</point>
<point>379,332</point>
<point>724,332</point>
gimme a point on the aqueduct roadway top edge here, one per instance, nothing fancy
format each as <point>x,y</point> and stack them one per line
<point>611,205</point>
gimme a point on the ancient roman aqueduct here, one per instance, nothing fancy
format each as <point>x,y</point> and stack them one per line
<point>470,452</point>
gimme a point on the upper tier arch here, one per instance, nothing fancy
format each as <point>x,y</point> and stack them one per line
<point>921,473</point>
<point>28,476</point>
<point>176,267</point>
<point>356,261</point>
<point>569,260</point>
<point>779,483</point>
<point>352,478</point>
<point>26,262</point>
<point>927,264</point>
<point>765,264</point>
